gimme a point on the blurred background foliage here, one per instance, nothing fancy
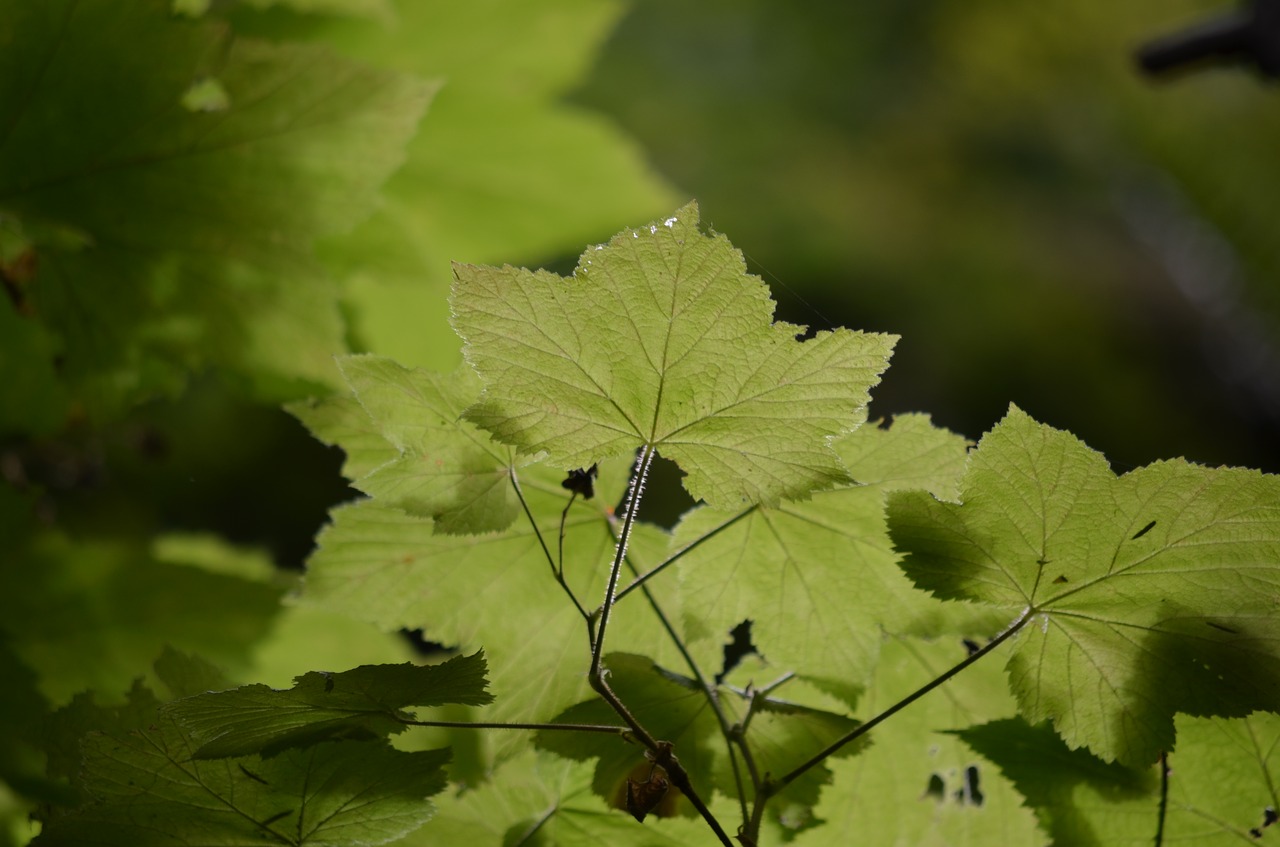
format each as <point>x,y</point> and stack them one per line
<point>202,200</point>
<point>995,182</point>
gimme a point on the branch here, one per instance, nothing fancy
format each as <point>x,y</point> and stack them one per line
<point>558,573</point>
<point>1164,798</point>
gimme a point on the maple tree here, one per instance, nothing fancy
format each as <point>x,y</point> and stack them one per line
<point>950,643</point>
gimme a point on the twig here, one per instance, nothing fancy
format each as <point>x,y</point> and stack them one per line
<point>558,573</point>
<point>570,727</point>
<point>1164,798</point>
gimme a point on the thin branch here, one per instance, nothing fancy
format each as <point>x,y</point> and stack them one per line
<point>688,548</point>
<point>774,786</point>
<point>558,573</point>
<point>1164,798</point>
<point>528,834</point>
<point>560,548</point>
<point>569,727</point>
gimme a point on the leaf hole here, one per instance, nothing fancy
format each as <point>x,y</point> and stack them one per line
<point>1269,816</point>
<point>969,793</point>
<point>936,788</point>
<point>1143,531</point>
<point>739,646</point>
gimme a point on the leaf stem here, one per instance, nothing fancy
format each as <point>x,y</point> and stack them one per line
<point>557,572</point>
<point>772,787</point>
<point>688,548</point>
<point>569,727</point>
<point>1164,798</point>
<point>560,548</point>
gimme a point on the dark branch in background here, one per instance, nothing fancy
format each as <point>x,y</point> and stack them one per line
<point>1249,36</point>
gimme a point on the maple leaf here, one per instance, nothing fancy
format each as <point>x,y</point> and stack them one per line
<point>661,338</point>
<point>1144,594</point>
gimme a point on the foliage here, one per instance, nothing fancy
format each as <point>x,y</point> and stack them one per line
<point>870,570</point>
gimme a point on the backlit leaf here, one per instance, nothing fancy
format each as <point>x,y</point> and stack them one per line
<point>662,338</point>
<point>1222,781</point>
<point>1149,593</point>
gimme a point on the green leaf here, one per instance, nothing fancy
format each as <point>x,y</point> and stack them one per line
<point>1147,594</point>
<point>1081,800</point>
<point>173,180</point>
<point>359,703</point>
<point>447,468</point>
<point>380,10</point>
<point>496,590</point>
<point>1222,788</point>
<point>661,338</point>
<point>819,579</point>
<point>913,786</point>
